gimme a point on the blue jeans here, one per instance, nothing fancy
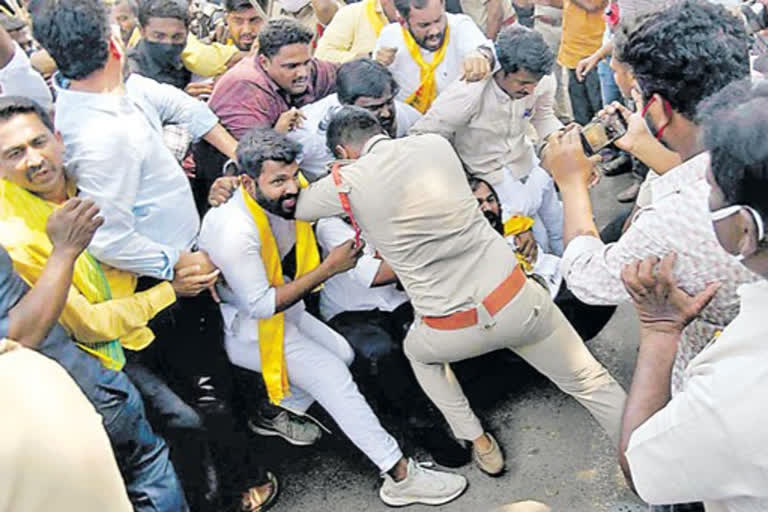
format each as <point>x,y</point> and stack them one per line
<point>142,456</point>
<point>608,87</point>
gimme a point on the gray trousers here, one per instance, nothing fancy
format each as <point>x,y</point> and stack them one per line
<point>534,328</point>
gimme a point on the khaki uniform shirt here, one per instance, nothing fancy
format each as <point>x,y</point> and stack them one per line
<point>412,201</point>
<point>488,128</point>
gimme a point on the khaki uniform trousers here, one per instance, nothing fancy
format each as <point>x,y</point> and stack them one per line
<point>535,329</point>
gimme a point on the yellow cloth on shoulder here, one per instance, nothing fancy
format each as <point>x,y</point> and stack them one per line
<point>374,18</point>
<point>272,329</point>
<point>23,217</point>
<point>514,226</point>
<point>425,94</point>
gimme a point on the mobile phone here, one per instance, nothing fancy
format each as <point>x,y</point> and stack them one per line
<point>602,131</point>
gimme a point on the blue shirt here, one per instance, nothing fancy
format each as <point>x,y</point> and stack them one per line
<point>57,345</point>
<point>115,153</point>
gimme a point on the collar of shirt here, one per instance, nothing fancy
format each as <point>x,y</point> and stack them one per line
<point>291,100</point>
<point>681,177</point>
<point>368,147</point>
<point>111,103</point>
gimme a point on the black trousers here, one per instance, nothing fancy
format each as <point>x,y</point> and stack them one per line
<point>380,367</point>
<point>586,99</point>
<point>188,347</point>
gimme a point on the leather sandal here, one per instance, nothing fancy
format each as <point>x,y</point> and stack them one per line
<point>253,501</point>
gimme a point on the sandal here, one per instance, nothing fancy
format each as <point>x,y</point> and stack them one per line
<point>252,499</point>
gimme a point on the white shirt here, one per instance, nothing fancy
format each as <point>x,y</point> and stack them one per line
<point>464,38</point>
<point>353,290</point>
<point>710,442</point>
<point>315,155</point>
<point>19,78</point>
<point>231,238</point>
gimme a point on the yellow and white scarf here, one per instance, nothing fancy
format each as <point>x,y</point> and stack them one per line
<point>271,330</point>
<point>425,94</point>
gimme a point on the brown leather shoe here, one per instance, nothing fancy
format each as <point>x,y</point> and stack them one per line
<point>492,461</point>
<point>629,194</point>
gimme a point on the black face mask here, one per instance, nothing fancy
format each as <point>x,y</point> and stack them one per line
<point>165,54</point>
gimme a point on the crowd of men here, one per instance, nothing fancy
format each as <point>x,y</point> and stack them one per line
<point>214,215</point>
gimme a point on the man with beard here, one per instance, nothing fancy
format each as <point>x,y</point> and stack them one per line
<point>545,268</point>
<point>470,297</point>
<point>244,21</point>
<point>364,83</point>
<point>431,49</point>
<point>488,122</point>
<point>270,263</point>
<point>266,90</point>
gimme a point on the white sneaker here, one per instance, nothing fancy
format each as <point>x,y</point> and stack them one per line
<point>422,485</point>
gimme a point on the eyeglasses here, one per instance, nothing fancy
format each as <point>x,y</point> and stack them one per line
<point>726,212</point>
<point>667,110</point>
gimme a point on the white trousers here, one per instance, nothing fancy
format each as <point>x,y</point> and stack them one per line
<point>317,359</point>
<point>535,196</point>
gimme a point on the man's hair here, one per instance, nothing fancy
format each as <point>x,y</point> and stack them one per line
<point>74,32</point>
<point>12,106</point>
<point>237,5</point>
<point>351,125</point>
<point>163,9</point>
<point>520,48</point>
<point>475,182</point>
<point>685,53</point>
<point>281,32</point>
<point>404,6</point>
<point>133,5</point>
<point>363,77</point>
<point>261,144</point>
<point>734,130</point>
<point>12,23</point>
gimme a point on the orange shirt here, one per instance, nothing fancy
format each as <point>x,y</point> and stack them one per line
<point>582,34</point>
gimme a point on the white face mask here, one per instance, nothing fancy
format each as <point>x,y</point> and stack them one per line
<point>293,6</point>
<point>723,213</point>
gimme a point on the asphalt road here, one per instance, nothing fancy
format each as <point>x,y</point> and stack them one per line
<point>556,453</point>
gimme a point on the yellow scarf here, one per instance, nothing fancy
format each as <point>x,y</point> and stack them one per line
<point>23,217</point>
<point>271,330</point>
<point>376,20</point>
<point>426,93</point>
<point>514,226</point>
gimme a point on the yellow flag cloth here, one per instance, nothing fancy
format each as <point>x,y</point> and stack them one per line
<point>422,98</point>
<point>271,330</point>
<point>376,19</point>
<point>23,217</point>
<point>514,226</point>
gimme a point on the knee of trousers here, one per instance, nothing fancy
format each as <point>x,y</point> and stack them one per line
<point>586,379</point>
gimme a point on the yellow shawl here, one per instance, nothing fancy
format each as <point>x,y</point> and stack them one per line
<point>425,94</point>
<point>23,217</point>
<point>271,329</point>
<point>376,20</point>
<point>514,226</point>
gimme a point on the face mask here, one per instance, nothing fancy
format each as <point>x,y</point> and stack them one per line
<point>165,53</point>
<point>723,213</point>
<point>293,6</point>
